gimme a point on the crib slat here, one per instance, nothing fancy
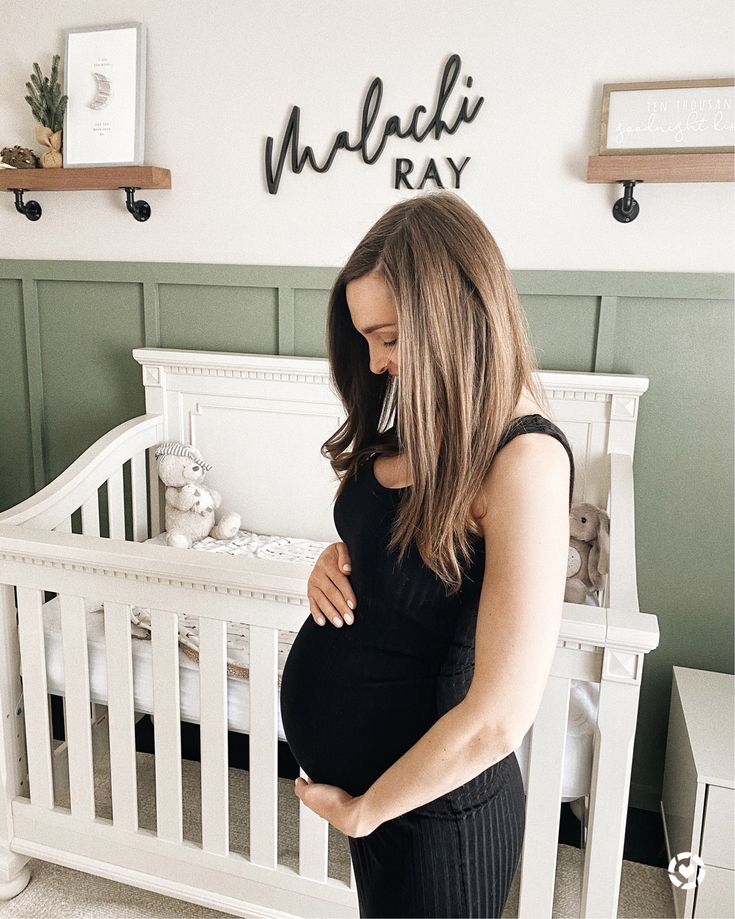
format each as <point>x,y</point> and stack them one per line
<point>77,705</point>
<point>543,801</point>
<point>121,718</point>
<point>91,516</point>
<point>116,505</point>
<point>35,695</point>
<point>155,489</point>
<point>157,499</point>
<point>213,726</point>
<point>12,755</point>
<point>263,746</point>
<point>313,842</point>
<point>139,499</point>
<point>166,725</point>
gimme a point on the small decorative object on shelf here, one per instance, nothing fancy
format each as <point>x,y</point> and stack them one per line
<point>667,131</point>
<point>21,158</point>
<point>52,140</point>
<point>48,106</point>
<point>18,157</point>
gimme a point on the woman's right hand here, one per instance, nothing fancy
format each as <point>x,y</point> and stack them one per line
<point>328,588</point>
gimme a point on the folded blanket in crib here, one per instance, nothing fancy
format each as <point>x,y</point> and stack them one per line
<point>245,543</point>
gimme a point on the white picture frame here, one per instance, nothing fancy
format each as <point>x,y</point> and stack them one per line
<point>670,116</point>
<point>104,79</point>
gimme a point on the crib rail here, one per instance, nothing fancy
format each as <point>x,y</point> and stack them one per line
<point>157,576</point>
<point>165,580</point>
<point>78,487</point>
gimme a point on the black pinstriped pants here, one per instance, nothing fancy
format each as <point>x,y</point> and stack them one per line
<point>454,857</point>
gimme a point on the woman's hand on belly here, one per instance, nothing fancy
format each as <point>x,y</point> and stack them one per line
<point>328,588</point>
<point>345,812</point>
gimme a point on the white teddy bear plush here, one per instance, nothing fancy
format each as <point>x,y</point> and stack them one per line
<point>189,505</point>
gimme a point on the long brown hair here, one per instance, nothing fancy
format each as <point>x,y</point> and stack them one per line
<point>465,358</point>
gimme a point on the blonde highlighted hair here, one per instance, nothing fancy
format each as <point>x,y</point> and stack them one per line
<point>465,359</point>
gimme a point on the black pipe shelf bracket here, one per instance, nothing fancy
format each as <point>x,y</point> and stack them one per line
<point>32,209</point>
<point>141,210</point>
<point>626,208</point>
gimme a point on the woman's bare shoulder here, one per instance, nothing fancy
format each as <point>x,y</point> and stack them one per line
<point>525,460</point>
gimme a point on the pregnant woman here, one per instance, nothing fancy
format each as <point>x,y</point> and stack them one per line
<point>415,678</point>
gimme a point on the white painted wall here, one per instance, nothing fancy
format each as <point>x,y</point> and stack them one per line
<point>223,76</point>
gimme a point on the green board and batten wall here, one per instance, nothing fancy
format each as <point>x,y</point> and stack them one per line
<point>68,376</point>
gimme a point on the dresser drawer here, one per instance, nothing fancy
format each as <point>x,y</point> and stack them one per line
<point>715,895</point>
<point>717,831</point>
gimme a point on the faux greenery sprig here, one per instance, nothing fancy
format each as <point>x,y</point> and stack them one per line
<point>45,99</point>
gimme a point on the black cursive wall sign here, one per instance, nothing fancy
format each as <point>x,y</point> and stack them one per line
<point>392,127</point>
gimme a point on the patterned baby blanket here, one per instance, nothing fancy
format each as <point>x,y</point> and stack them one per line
<point>246,543</point>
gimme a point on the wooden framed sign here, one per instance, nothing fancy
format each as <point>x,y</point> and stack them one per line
<point>673,116</point>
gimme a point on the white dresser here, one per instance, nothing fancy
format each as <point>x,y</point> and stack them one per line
<point>698,796</point>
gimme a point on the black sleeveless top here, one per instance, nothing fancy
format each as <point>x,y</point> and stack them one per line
<point>354,699</point>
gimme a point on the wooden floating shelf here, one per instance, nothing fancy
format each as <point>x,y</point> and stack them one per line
<point>662,167</point>
<point>85,178</point>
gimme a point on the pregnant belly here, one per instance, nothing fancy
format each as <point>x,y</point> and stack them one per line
<point>354,699</point>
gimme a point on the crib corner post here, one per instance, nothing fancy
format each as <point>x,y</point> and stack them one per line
<point>14,873</point>
<point>610,783</point>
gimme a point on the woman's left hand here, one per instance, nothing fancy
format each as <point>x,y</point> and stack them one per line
<point>345,812</point>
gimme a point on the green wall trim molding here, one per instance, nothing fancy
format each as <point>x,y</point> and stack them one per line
<point>35,377</point>
<point>151,316</point>
<point>286,321</point>
<point>67,330</point>
<point>714,285</point>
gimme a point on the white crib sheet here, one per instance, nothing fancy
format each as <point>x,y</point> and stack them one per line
<point>583,703</point>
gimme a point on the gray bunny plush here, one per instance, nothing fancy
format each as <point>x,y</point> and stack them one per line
<point>190,506</point>
<point>589,551</point>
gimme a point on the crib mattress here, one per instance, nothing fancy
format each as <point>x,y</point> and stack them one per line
<point>583,703</point>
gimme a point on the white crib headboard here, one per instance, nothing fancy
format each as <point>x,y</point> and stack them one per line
<point>598,412</point>
<point>260,420</point>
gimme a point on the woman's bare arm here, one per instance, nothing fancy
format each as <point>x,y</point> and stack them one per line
<point>526,529</point>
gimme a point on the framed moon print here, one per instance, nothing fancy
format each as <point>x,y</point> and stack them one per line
<point>104,78</point>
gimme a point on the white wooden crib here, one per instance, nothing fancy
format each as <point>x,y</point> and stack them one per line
<point>260,420</point>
